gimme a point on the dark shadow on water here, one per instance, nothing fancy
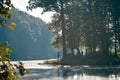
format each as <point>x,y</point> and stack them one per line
<point>100,71</point>
<point>63,72</point>
<point>90,70</point>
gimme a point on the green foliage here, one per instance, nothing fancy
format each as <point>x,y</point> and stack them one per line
<point>92,24</point>
<point>4,58</point>
<point>6,67</point>
<point>6,13</point>
<point>47,5</point>
<point>54,5</point>
<point>91,27</point>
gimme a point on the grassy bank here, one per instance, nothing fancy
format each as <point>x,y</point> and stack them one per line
<point>90,59</point>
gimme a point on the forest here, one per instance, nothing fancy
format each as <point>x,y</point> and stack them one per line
<point>90,25</point>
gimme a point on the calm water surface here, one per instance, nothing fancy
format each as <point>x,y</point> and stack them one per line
<point>49,72</point>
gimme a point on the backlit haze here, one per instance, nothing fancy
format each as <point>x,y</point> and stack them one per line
<point>21,5</point>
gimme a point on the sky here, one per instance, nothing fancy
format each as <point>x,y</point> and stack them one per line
<point>21,5</point>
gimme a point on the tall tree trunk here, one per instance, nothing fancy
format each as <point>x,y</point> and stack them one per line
<point>119,33</point>
<point>115,32</point>
<point>78,50</point>
<point>63,30</point>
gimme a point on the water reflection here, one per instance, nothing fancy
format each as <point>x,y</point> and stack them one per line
<point>74,73</point>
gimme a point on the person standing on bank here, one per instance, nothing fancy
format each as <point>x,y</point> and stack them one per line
<point>58,56</point>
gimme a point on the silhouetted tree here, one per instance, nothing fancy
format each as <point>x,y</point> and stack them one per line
<point>52,5</point>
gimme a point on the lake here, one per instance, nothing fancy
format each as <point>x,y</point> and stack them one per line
<point>66,72</point>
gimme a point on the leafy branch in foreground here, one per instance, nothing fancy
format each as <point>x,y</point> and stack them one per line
<point>7,70</point>
<point>6,13</point>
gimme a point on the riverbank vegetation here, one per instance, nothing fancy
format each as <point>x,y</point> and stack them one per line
<point>90,59</point>
<point>90,25</point>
